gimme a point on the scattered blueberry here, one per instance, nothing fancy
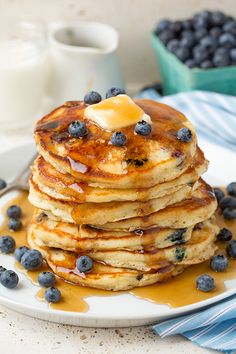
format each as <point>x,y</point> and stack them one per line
<point>3,183</point>
<point>84,264</point>
<point>7,244</point>
<point>184,134</point>
<point>2,269</point>
<point>219,194</point>
<point>14,211</point>
<point>32,260</point>
<point>231,249</point>
<point>143,128</point>
<point>19,252</point>
<point>227,40</point>
<point>9,279</point>
<point>46,279</point>
<point>114,91</point>
<point>118,139</point>
<point>227,202</point>
<point>231,189</point>
<point>205,283</point>
<point>52,295</point>
<point>219,263</point>
<point>92,97</point>
<point>229,213</point>
<point>224,235</point>
<point>77,129</point>
<point>14,224</point>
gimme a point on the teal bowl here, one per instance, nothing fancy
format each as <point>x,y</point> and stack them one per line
<point>177,77</point>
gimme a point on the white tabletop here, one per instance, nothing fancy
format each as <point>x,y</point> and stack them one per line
<point>22,334</point>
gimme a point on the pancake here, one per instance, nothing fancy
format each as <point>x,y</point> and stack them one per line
<point>158,158</point>
<point>71,237</point>
<point>102,213</point>
<point>65,187</point>
<point>63,264</point>
<point>201,206</point>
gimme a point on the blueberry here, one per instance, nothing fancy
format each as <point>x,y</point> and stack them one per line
<point>231,249</point>
<point>14,224</point>
<point>92,97</point>
<point>190,63</point>
<point>200,54</point>
<point>227,40</point>
<point>232,54</point>
<point>219,263</point>
<point>143,128</point>
<point>201,33</point>
<point>19,252</point>
<point>118,139</point>
<point>2,269</point>
<point>200,22</point>
<point>114,91</point>
<point>173,45</point>
<point>206,64</point>
<point>3,183</point>
<point>46,279</point>
<point>218,18</point>
<point>220,60</point>
<point>84,264</point>
<point>7,244</point>
<point>224,235</point>
<point>231,189</point>
<point>188,41</point>
<point>184,134</point>
<point>209,43</point>
<point>219,194</point>
<point>32,260</point>
<point>176,26</point>
<point>166,36</point>
<point>205,283</point>
<point>9,279</point>
<point>230,26</point>
<point>182,53</point>
<point>227,202</point>
<point>187,24</point>
<point>215,32</point>
<point>14,211</point>
<point>222,51</point>
<point>162,25</point>
<point>52,295</point>
<point>229,213</point>
<point>77,129</point>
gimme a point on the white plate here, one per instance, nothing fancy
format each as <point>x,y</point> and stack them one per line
<point>116,311</point>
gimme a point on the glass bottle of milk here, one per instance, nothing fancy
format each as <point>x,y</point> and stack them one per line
<point>23,66</point>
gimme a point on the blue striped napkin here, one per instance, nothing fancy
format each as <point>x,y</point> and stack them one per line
<point>214,117</point>
<point>212,114</point>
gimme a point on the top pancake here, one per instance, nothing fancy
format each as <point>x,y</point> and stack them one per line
<point>158,157</point>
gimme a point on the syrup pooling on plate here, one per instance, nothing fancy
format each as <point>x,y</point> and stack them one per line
<point>74,297</point>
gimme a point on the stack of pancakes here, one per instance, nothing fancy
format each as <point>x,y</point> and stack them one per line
<point>140,211</point>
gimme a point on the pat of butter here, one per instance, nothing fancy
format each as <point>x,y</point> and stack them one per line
<point>115,113</point>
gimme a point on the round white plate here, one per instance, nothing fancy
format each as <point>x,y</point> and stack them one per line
<point>116,311</point>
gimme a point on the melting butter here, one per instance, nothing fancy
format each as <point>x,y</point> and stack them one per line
<point>115,113</point>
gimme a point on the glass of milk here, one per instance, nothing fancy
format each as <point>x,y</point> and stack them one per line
<point>23,69</point>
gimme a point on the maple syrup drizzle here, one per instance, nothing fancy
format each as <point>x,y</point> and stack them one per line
<point>179,291</point>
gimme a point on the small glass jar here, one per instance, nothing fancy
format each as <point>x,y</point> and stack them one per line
<point>23,69</point>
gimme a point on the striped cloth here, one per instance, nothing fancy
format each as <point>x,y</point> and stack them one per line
<point>212,114</point>
<point>214,117</point>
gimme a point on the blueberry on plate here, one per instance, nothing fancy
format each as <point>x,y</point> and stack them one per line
<point>14,224</point>
<point>231,249</point>
<point>92,97</point>
<point>19,252</point>
<point>14,211</point>
<point>143,128</point>
<point>118,139</point>
<point>3,183</point>
<point>84,264</point>
<point>219,263</point>
<point>77,129</point>
<point>231,189</point>
<point>46,279</point>
<point>227,202</point>
<point>229,213</point>
<point>205,283</point>
<point>9,279</point>
<point>32,260</point>
<point>52,295</point>
<point>184,135</point>
<point>227,40</point>
<point>219,194</point>
<point>7,244</point>
<point>114,91</point>
<point>224,235</point>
